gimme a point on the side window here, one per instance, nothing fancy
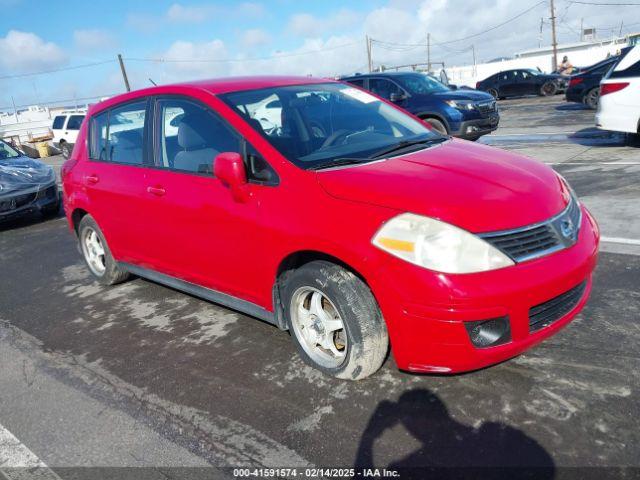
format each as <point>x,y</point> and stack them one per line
<point>58,122</point>
<point>191,136</point>
<point>357,83</point>
<point>525,75</point>
<point>258,170</point>
<point>126,133</point>
<point>98,137</point>
<point>75,121</point>
<point>383,87</point>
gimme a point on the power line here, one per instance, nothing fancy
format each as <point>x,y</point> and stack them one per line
<point>240,60</point>
<point>56,70</point>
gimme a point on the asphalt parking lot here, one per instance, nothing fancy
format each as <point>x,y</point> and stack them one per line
<point>142,375</point>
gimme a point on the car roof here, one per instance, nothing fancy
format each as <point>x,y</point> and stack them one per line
<point>215,86</point>
<point>381,74</point>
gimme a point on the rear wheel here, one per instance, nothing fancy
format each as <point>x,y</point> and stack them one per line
<point>335,321</point>
<point>65,149</point>
<point>493,92</point>
<point>548,89</point>
<point>437,125</point>
<point>592,97</point>
<point>97,255</point>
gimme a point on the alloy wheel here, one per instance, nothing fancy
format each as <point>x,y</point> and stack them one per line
<point>93,251</point>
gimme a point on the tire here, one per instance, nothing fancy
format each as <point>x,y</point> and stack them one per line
<point>437,125</point>
<point>592,98</point>
<point>361,344</point>
<point>51,211</point>
<point>65,149</point>
<point>493,92</point>
<point>110,273</point>
<point>548,89</point>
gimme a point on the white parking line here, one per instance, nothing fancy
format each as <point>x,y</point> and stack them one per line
<point>17,462</point>
<point>620,240</point>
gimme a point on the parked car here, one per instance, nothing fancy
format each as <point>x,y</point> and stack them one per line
<point>349,223</point>
<point>461,113</point>
<point>619,106</point>
<point>514,83</point>
<point>65,129</point>
<point>585,87</point>
<point>26,185</point>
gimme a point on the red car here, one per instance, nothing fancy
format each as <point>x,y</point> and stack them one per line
<point>322,209</point>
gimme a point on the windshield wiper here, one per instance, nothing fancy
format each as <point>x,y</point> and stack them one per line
<point>407,143</point>
<point>337,162</point>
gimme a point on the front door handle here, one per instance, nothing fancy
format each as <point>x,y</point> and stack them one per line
<point>91,179</point>
<point>157,191</point>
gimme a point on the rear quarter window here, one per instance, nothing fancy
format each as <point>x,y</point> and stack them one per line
<point>75,121</point>
<point>58,122</point>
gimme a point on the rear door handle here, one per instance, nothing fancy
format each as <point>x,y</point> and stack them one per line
<point>91,179</point>
<point>158,191</point>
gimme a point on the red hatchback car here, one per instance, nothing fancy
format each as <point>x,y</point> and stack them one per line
<point>333,214</point>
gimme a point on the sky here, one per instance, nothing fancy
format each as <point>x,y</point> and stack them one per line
<point>45,46</point>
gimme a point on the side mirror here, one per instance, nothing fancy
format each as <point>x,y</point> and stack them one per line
<point>397,97</point>
<point>229,168</point>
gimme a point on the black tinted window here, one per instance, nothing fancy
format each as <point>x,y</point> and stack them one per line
<point>191,136</point>
<point>75,121</point>
<point>98,137</point>
<point>58,122</point>
<point>357,83</point>
<point>383,87</point>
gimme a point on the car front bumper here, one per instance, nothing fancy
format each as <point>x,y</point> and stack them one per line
<point>477,127</point>
<point>426,312</point>
<point>20,203</point>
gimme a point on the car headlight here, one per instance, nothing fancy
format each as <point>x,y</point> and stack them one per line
<point>437,245</point>
<point>461,104</point>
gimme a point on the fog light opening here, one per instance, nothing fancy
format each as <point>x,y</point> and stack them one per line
<point>489,333</point>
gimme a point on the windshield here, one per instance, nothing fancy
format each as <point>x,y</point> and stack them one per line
<point>313,125</point>
<point>7,151</point>
<point>421,84</point>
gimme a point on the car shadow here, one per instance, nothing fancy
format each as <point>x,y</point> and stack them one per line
<point>594,137</point>
<point>450,448</point>
<point>573,106</point>
<point>31,218</point>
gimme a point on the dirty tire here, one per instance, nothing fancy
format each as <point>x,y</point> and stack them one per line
<point>592,97</point>
<point>65,150</point>
<point>493,92</point>
<point>437,125</point>
<point>367,338</point>
<point>112,273</point>
<point>549,89</point>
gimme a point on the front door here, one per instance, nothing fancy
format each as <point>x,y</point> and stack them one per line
<point>198,232</point>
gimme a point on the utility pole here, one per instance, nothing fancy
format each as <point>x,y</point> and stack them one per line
<point>428,52</point>
<point>540,36</point>
<point>582,29</point>
<point>15,110</point>
<point>554,40</point>
<point>369,60</point>
<point>124,73</point>
<point>475,69</point>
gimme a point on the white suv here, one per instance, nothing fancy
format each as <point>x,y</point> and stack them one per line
<point>65,129</point>
<point>619,106</point>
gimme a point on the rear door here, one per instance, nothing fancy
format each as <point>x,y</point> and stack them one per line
<point>115,178</point>
<point>527,83</point>
<point>197,231</point>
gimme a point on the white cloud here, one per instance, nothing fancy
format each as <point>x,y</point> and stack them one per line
<point>196,60</point>
<point>25,51</point>
<point>179,13</point>
<point>93,39</point>
<point>255,37</point>
<point>250,9</point>
<point>309,26</point>
<point>143,22</point>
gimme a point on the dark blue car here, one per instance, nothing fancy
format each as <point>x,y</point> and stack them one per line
<point>462,113</point>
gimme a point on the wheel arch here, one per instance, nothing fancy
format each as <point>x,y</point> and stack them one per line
<point>435,115</point>
<point>76,217</point>
<point>295,260</point>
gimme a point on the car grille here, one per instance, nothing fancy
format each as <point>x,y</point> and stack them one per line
<point>540,239</point>
<point>25,199</point>
<point>486,108</point>
<point>48,192</point>
<point>552,310</point>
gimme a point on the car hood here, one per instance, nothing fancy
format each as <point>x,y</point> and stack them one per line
<point>23,173</point>
<point>475,187</point>
<point>474,95</point>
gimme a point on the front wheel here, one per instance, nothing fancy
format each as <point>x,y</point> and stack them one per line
<point>437,125</point>
<point>548,89</point>
<point>335,321</point>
